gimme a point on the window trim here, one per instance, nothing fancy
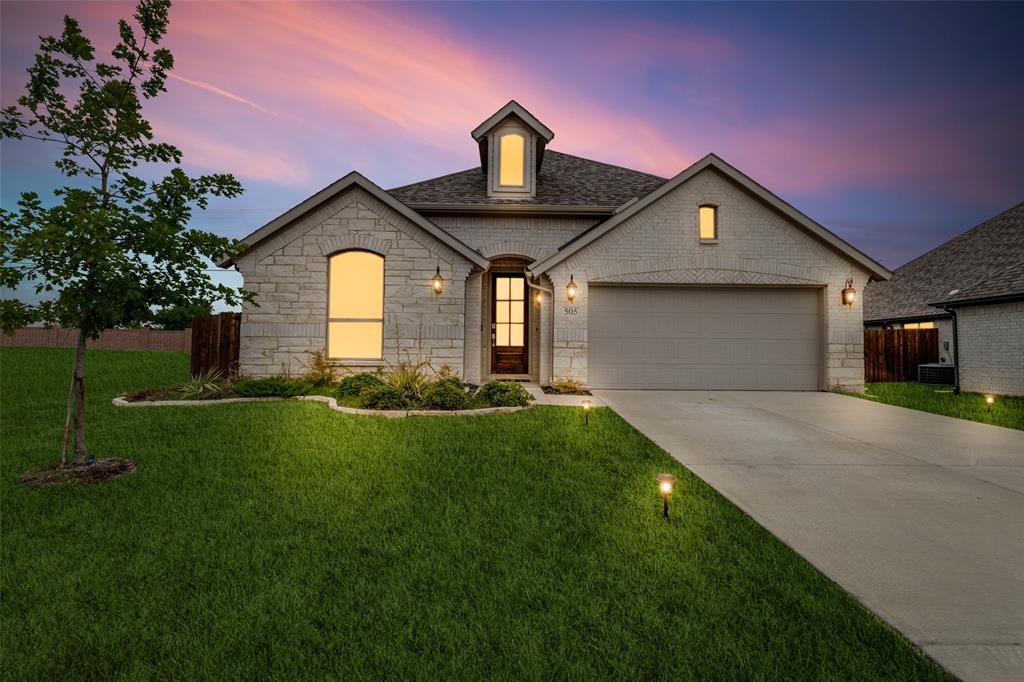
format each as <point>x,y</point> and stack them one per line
<point>327,310</point>
<point>715,207</point>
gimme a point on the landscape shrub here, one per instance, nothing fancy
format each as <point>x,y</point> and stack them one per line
<point>383,397</point>
<point>353,384</point>
<point>410,379</point>
<point>566,385</point>
<point>202,385</point>
<point>446,394</point>
<point>270,387</point>
<point>319,370</point>
<point>505,394</point>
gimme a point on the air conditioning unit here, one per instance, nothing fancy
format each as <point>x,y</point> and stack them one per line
<point>936,373</point>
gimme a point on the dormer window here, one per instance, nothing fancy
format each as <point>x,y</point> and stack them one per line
<point>512,152</point>
<point>512,146</point>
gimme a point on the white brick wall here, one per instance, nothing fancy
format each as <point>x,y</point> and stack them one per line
<point>756,246</point>
<point>992,348</point>
<point>288,273</point>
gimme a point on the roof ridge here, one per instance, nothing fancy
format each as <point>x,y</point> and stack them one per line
<point>605,163</point>
<point>960,235</point>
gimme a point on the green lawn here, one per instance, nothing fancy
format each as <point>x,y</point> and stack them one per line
<point>1007,412</point>
<point>286,540</point>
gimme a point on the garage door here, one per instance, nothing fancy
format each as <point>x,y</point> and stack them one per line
<point>704,338</point>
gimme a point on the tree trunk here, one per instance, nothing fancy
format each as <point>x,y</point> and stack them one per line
<point>78,390</point>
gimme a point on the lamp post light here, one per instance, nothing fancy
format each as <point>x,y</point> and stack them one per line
<point>586,413</point>
<point>988,401</point>
<point>665,483</point>
<point>849,293</point>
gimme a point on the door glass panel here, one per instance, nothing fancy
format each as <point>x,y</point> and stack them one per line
<point>517,285</point>
<point>509,311</point>
<point>517,312</point>
<point>516,336</point>
<point>501,311</point>
<point>501,289</point>
<point>501,335</point>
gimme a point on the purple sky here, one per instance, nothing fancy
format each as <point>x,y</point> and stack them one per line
<point>896,126</point>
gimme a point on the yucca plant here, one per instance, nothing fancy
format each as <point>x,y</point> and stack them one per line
<point>319,370</point>
<point>201,385</point>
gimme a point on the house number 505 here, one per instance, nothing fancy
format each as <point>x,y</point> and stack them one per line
<point>571,311</point>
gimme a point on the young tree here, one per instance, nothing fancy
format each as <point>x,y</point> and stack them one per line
<point>111,246</point>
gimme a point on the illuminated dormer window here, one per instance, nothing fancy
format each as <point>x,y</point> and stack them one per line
<point>511,166</point>
<point>512,146</point>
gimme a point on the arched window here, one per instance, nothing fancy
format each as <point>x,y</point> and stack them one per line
<point>512,151</point>
<point>708,222</point>
<point>355,306</point>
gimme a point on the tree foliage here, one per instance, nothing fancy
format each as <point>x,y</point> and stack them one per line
<point>111,245</point>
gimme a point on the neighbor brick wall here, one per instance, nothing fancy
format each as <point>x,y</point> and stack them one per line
<point>756,246</point>
<point>288,275</point>
<point>992,348</point>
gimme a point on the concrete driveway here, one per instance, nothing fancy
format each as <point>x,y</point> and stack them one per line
<point>920,517</point>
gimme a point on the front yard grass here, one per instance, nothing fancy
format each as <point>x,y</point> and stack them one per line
<point>1008,412</point>
<point>285,540</point>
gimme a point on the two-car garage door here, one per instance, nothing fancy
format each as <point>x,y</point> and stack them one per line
<point>705,338</point>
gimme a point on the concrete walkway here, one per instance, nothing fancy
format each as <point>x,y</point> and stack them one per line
<point>920,517</point>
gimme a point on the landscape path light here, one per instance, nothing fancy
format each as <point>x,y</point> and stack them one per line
<point>437,282</point>
<point>989,400</point>
<point>665,483</point>
<point>586,413</point>
<point>571,289</point>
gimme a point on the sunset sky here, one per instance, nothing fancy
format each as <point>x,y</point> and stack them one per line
<point>896,126</point>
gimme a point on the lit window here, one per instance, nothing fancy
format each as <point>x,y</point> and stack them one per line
<point>509,309</point>
<point>919,325</point>
<point>355,306</point>
<point>511,157</point>
<point>708,222</point>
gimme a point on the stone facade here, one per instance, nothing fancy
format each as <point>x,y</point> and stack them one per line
<point>288,274</point>
<point>992,348</point>
<point>756,245</point>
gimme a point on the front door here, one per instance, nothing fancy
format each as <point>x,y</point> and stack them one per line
<point>508,324</point>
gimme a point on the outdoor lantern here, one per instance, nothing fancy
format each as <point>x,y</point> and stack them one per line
<point>437,282</point>
<point>849,293</point>
<point>665,483</point>
<point>586,412</point>
<point>538,297</point>
<point>570,290</point>
<point>989,400</point>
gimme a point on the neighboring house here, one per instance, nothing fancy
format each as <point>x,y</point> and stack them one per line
<point>555,266</point>
<point>972,289</point>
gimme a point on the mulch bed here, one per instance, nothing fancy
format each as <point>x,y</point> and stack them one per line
<point>551,390</point>
<point>99,471</point>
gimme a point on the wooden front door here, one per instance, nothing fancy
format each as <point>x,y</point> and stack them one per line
<point>508,324</point>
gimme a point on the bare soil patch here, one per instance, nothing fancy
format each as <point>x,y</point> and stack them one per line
<point>99,471</point>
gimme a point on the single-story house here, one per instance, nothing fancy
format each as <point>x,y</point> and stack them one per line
<point>972,290</point>
<point>538,265</point>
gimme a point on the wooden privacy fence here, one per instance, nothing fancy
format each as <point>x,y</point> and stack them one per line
<point>215,341</point>
<point>894,354</point>
<point>111,339</point>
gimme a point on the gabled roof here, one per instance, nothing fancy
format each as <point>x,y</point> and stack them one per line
<point>512,108</point>
<point>357,179</point>
<point>986,263</point>
<point>564,180</point>
<point>712,161</point>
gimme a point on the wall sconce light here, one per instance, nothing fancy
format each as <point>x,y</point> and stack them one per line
<point>988,401</point>
<point>849,293</point>
<point>437,282</point>
<point>538,297</point>
<point>586,413</point>
<point>571,289</point>
<point>665,483</point>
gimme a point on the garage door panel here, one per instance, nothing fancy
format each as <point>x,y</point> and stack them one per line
<point>704,338</point>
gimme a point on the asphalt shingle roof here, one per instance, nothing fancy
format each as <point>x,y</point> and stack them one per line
<point>564,180</point>
<point>986,261</point>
